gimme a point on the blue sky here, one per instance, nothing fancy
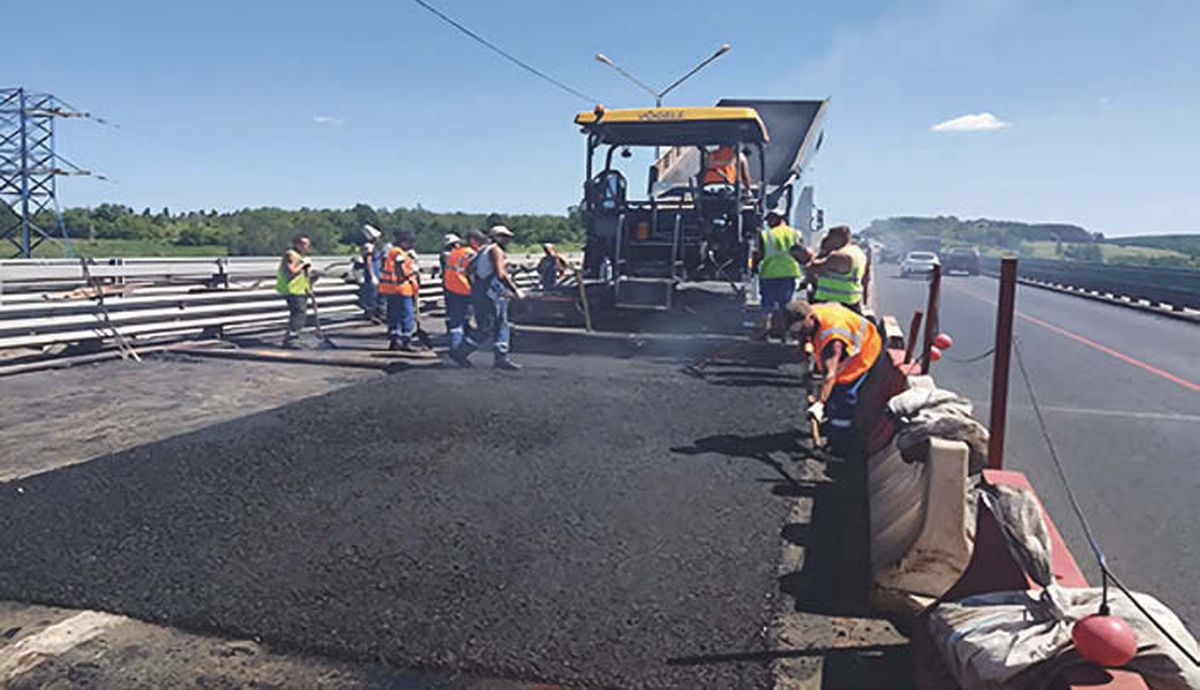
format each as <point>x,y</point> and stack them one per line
<point>225,104</point>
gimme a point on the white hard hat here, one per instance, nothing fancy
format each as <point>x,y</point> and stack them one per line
<point>451,238</point>
<point>371,232</point>
<point>500,231</point>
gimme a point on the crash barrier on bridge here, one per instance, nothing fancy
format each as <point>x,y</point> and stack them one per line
<point>1175,288</point>
<point>46,303</point>
<point>933,544</point>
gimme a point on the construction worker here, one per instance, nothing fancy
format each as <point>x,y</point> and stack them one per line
<point>400,284</point>
<point>456,288</point>
<point>449,242</point>
<point>372,261</point>
<point>492,288</point>
<point>552,266</point>
<point>291,281</point>
<point>777,258</point>
<point>843,274</point>
<point>845,345</point>
<point>724,169</point>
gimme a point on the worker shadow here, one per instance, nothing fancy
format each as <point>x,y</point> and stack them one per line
<point>835,576</point>
<point>778,451</point>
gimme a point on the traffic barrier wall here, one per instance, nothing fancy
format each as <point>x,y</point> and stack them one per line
<point>51,303</point>
<point>1177,288</point>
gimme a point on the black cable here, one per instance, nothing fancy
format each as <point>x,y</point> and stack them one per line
<point>501,52</point>
<point>1087,528</point>
<point>969,360</point>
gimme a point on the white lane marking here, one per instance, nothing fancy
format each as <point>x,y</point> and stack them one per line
<point>1132,414</point>
<point>27,653</point>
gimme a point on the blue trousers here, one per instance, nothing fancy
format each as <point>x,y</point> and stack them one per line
<point>401,316</point>
<point>492,320</point>
<point>458,316</point>
<point>368,296</point>
<point>775,293</point>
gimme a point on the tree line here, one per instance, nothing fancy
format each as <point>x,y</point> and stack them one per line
<point>257,231</point>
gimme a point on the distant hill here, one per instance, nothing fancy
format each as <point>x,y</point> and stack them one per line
<point>1184,244</point>
<point>980,231</point>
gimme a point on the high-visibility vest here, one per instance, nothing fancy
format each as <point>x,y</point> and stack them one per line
<point>858,336</point>
<point>454,277</point>
<point>399,274</point>
<point>777,259</point>
<point>722,167</point>
<point>846,288</point>
<point>297,284</point>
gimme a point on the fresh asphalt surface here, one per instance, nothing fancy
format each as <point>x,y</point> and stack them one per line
<point>1120,390</point>
<point>584,521</point>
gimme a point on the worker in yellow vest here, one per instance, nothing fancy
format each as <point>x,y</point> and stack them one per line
<point>777,259</point>
<point>845,346</point>
<point>291,281</point>
<point>456,288</point>
<point>843,274</point>
<point>400,285</point>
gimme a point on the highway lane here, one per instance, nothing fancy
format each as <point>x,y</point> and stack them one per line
<point>1120,390</point>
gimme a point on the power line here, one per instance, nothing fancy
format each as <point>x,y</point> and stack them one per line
<point>507,56</point>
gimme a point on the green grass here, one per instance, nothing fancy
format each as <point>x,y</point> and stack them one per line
<point>125,248</point>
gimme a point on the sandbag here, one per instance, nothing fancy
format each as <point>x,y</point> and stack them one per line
<point>1009,640</point>
<point>924,410</point>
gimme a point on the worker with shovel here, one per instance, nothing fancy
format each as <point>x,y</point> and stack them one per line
<point>845,346</point>
<point>400,284</point>
<point>291,281</point>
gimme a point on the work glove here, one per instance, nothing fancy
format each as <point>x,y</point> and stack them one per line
<point>816,412</point>
<point>305,265</point>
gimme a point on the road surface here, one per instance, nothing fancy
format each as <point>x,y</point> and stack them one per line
<point>1120,390</point>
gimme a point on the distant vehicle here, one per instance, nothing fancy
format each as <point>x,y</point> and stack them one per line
<point>918,263</point>
<point>926,244</point>
<point>963,260</point>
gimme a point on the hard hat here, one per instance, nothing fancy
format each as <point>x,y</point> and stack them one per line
<point>451,238</point>
<point>547,245</point>
<point>779,211</point>
<point>370,232</point>
<point>500,231</point>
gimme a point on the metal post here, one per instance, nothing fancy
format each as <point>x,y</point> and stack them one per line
<point>931,317</point>
<point>914,328</point>
<point>1000,360</point>
<point>26,239</point>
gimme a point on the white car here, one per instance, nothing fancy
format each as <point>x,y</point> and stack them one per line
<point>918,263</point>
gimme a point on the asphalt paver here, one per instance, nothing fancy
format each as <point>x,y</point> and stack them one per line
<point>568,523</point>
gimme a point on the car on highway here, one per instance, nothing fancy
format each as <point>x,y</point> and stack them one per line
<point>961,260</point>
<point>918,263</point>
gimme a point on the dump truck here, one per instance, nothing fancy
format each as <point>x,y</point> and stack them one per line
<point>641,250</point>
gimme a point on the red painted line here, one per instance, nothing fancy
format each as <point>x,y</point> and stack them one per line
<point>1134,361</point>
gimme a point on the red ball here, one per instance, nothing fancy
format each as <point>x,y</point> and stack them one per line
<point>935,353</point>
<point>944,341</point>
<point>1105,640</point>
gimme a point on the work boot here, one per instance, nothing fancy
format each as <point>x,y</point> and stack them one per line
<point>393,344</point>
<point>506,364</point>
<point>407,346</point>
<point>459,355</point>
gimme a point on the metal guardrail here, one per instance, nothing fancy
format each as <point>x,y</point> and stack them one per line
<point>1177,288</point>
<point>50,302</point>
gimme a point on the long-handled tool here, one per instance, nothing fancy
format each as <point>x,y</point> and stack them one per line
<point>325,343</point>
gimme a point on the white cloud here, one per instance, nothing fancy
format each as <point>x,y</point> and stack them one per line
<point>979,122</point>
<point>1105,103</point>
<point>328,120</point>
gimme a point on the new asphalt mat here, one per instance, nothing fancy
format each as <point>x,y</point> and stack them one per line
<point>585,521</point>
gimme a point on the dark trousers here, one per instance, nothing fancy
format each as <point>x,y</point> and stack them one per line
<point>297,314</point>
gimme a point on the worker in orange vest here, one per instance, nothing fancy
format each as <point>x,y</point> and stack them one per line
<point>845,346</point>
<point>456,288</point>
<point>724,168</point>
<point>400,285</point>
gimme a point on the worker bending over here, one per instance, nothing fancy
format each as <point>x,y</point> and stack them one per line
<point>552,267</point>
<point>845,346</point>
<point>842,275</point>
<point>291,281</point>
<point>400,284</point>
<point>456,287</point>
<point>492,288</point>
<point>777,257</point>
